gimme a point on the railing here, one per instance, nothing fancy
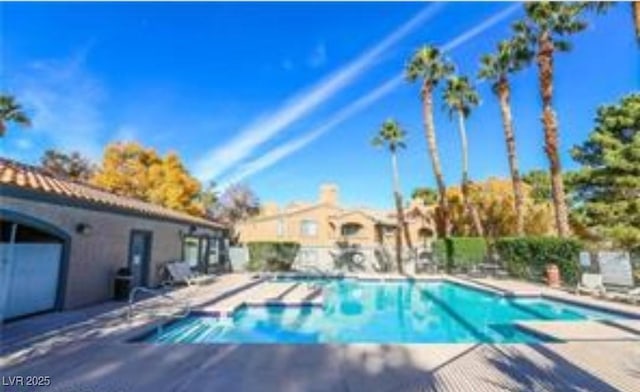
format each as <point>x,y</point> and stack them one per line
<point>186,307</point>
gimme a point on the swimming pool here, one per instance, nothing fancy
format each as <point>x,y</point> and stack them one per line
<point>381,312</point>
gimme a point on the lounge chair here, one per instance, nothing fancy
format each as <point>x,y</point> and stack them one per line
<point>591,284</point>
<point>180,273</point>
<point>631,296</point>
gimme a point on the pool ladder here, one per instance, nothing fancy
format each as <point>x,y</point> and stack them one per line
<point>185,306</point>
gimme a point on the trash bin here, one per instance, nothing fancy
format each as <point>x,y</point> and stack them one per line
<point>122,284</point>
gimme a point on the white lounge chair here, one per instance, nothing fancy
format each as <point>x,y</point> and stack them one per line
<point>591,284</point>
<point>180,273</point>
<point>631,296</point>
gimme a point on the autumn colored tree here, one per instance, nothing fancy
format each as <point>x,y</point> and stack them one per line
<point>489,198</point>
<point>70,165</point>
<point>130,169</point>
<point>173,187</point>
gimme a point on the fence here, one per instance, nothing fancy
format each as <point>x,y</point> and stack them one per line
<point>329,259</point>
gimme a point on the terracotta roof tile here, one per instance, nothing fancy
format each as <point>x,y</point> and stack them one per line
<point>18,175</point>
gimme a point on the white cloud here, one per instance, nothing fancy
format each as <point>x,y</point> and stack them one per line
<point>318,57</point>
<point>63,100</point>
<point>275,155</point>
<point>220,159</point>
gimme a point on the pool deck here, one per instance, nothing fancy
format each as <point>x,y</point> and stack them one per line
<point>87,350</point>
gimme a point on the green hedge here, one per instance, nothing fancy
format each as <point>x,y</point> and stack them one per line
<point>272,256</point>
<point>460,252</point>
<point>527,257</point>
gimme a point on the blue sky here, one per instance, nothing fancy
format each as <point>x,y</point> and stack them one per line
<point>286,96</point>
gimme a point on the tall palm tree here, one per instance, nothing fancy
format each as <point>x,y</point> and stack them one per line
<point>391,135</point>
<point>545,29</point>
<point>11,111</point>
<point>635,7</point>
<point>460,98</point>
<point>511,57</point>
<point>430,67</point>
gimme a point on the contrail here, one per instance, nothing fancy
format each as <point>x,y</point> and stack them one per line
<point>275,155</point>
<point>222,158</point>
<point>280,152</point>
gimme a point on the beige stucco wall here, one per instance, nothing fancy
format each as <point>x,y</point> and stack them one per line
<point>95,257</point>
<point>266,228</point>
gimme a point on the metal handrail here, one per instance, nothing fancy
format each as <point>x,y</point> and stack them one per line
<point>186,308</point>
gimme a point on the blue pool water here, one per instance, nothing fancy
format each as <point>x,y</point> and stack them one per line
<point>383,312</point>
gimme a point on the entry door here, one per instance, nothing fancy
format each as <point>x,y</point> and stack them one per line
<point>140,257</point>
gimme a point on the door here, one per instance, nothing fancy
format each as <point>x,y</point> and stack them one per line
<point>30,269</point>
<point>140,257</point>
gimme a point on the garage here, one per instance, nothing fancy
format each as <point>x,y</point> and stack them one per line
<point>33,255</point>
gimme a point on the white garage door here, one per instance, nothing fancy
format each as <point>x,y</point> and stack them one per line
<point>32,275</point>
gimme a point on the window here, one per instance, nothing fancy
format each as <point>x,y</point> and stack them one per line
<point>308,228</point>
<point>201,252</point>
<point>190,250</point>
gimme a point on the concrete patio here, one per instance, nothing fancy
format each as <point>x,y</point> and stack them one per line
<point>87,350</point>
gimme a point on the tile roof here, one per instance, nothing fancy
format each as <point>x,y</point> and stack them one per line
<point>34,179</point>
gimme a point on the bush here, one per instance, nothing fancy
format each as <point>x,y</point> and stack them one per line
<point>460,252</point>
<point>527,257</point>
<point>272,256</point>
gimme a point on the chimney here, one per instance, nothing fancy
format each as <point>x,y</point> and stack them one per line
<point>328,194</point>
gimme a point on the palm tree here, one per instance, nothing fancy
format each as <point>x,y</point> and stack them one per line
<point>544,29</point>
<point>511,57</point>
<point>391,135</point>
<point>460,98</point>
<point>11,111</point>
<point>429,66</point>
<point>636,17</point>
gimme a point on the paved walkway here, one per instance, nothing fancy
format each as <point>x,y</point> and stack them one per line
<point>86,350</point>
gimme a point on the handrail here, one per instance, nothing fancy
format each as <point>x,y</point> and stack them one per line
<point>132,294</point>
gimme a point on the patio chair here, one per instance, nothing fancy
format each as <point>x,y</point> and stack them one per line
<point>591,284</point>
<point>631,295</point>
<point>180,273</point>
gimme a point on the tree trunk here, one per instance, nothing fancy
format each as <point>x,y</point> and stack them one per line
<point>545,68</point>
<point>635,6</point>
<point>430,134</point>
<point>399,213</point>
<point>509,136</point>
<point>472,212</point>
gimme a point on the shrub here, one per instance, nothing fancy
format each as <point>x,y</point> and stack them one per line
<point>460,252</point>
<point>527,257</point>
<point>272,256</point>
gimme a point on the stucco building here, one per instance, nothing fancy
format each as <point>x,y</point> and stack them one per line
<point>324,226</point>
<point>62,242</point>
